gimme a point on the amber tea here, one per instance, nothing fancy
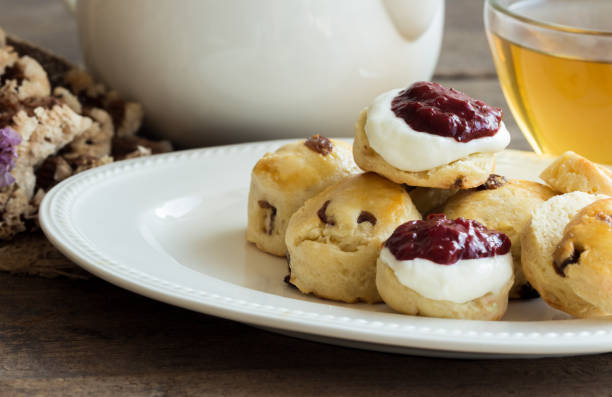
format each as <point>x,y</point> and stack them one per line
<point>559,91</point>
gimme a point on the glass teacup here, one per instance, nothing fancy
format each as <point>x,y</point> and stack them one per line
<point>554,63</point>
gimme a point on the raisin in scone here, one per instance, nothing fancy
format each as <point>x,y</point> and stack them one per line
<point>571,172</point>
<point>546,256</point>
<point>334,239</point>
<point>505,206</point>
<point>282,181</point>
<point>431,136</point>
<point>446,268</point>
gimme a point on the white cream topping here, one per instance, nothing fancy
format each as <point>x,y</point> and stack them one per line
<point>409,150</point>
<point>463,281</point>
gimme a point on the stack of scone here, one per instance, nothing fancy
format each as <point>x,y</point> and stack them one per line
<point>426,151</point>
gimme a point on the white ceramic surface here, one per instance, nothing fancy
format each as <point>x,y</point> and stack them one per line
<point>210,71</point>
<point>171,227</point>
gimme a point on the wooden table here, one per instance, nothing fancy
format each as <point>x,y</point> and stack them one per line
<point>64,337</point>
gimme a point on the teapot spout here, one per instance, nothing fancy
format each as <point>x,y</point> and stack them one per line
<point>412,18</point>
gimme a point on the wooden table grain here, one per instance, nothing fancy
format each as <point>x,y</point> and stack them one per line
<point>74,337</point>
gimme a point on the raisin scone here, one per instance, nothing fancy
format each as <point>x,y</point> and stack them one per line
<point>334,239</point>
<point>571,172</point>
<point>505,206</point>
<point>446,268</point>
<point>544,252</point>
<point>430,136</point>
<point>583,258</point>
<point>282,181</point>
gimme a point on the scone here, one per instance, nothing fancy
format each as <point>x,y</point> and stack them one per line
<point>504,206</point>
<point>539,241</point>
<point>282,181</point>
<point>334,239</point>
<point>446,268</point>
<point>583,258</point>
<point>431,136</point>
<point>571,172</point>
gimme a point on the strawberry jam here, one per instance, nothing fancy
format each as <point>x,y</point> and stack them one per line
<point>432,108</point>
<point>445,241</point>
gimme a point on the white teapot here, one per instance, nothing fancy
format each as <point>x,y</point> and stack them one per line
<point>223,71</point>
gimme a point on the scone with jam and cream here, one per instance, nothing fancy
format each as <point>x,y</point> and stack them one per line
<point>429,135</point>
<point>447,268</point>
<point>282,181</point>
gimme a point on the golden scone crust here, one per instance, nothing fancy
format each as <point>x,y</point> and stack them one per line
<point>335,238</point>
<point>504,206</point>
<point>571,172</point>
<point>282,181</point>
<point>406,300</point>
<point>540,239</point>
<point>464,173</point>
<point>584,257</point>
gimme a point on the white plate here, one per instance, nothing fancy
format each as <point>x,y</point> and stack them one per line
<point>171,227</point>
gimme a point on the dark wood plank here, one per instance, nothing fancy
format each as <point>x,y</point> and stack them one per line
<point>59,336</point>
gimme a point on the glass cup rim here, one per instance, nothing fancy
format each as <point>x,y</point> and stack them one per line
<point>496,4</point>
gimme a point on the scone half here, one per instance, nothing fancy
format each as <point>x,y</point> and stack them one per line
<point>571,172</point>
<point>539,241</point>
<point>464,173</point>
<point>403,299</point>
<point>449,268</point>
<point>583,258</point>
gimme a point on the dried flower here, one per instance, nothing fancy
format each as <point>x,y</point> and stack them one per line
<point>9,139</point>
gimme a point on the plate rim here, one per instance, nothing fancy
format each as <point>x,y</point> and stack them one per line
<point>55,223</point>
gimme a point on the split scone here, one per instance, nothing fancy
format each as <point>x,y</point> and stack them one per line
<point>282,181</point>
<point>506,206</point>
<point>334,239</point>
<point>446,268</point>
<point>571,172</point>
<point>556,243</point>
<point>428,135</point>
<point>583,258</point>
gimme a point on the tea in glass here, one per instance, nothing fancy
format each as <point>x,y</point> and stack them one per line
<point>554,63</point>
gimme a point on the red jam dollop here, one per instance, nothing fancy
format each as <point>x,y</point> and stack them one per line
<point>446,241</point>
<point>432,108</point>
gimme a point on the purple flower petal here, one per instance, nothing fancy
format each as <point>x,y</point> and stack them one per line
<point>9,139</point>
